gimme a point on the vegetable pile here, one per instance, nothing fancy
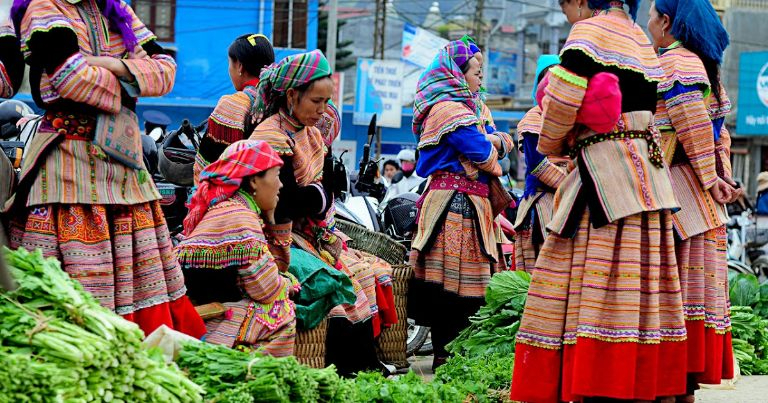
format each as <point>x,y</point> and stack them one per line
<point>749,323</point>
<point>58,344</point>
<point>484,378</point>
<point>494,326</point>
<point>235,376</point>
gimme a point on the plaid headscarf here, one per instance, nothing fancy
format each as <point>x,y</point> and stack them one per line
<point>293,71</point>
<point>222,179</point>
<point>443,81</point>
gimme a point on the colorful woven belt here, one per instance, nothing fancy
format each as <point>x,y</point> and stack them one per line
<point>654,150</point>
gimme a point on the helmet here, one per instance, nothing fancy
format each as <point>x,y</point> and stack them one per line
<point>406,155</point>
<point>176,163</point>
<point>10,113</point>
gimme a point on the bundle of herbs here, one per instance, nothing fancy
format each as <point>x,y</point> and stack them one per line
<point>58,344</point>
<point>493,328</point>
<point>749,322</point>
<point>235,376</point>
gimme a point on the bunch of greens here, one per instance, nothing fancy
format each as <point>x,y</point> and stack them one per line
<point>493,328</point>
<point>234,376</point>
<point>745,290</point>
<point>750,340</point>
<point>483,378</point>
<point>373,387</point>
<point>58,344</point>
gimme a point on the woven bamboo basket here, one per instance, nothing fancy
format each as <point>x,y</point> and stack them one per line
<point>375,243</point>
<point>392,342</point>
<point>310,345</point>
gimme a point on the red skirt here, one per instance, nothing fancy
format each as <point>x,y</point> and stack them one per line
<point>603,317</point>
<point>706,305</point>
<point>122,255</point>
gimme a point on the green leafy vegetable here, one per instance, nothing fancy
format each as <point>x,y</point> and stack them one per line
<point>484,378</point>
<point>744,289</point>
<point>493,328</point>
<point>58,344</point>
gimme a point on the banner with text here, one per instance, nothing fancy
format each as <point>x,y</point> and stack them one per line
<point>378,89</point>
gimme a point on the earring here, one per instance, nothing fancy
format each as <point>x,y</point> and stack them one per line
<point>290,110</point>
<point>241,73</point>
<point>579,11</point>
<point>663,34</point>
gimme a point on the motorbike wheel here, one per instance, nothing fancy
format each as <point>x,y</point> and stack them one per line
<point>738,267</point>
<point>426,349</point>
<point>760,268</point>
<point>417,335</point>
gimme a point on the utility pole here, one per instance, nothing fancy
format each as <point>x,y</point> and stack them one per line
<point>379,24</point>
<point>332,33</point>
<point>477,31</point>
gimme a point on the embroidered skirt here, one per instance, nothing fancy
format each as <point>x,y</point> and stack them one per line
<point>604,315</point>
<point>121,254</point>
<point>706,306</point>
<point>526,251</point>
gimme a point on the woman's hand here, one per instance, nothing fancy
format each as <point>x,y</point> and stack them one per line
<point>495,140</point>
<point>738,191</point>
<point>722,192</point>
<point>114,65</point>
<point>138,53</point>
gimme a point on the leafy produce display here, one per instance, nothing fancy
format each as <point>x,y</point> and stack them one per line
<point>494,326</point>
<point>373,387</point>
<point>483,378</point>
<point>57,344</point>
<point>749,323</point>
<point>234,376</point>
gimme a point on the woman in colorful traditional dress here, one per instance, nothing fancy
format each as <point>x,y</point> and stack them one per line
<point>225,254</point>
<point>11,61</point>
<point>542,178</point>
<point>454,250</point>
<point>236,115</point>
<point>98,213</point>
<point>690,116</point>
<point>603,319</point>
<point>294,95</point>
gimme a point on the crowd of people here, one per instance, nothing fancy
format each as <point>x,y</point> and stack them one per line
<point>621,225</point>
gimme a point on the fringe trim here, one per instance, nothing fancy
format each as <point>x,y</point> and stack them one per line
<point>585,50</point>
<point>567,76</point>
<point>222,255</point>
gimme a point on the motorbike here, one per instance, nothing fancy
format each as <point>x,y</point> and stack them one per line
<point>169,158</point>
<point>746,241</point>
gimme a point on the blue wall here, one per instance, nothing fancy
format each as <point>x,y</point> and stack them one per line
<point>204,31</point>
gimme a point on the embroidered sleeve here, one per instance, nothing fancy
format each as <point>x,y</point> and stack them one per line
<point>75,80</point>
<point>11,62</point>
<point>723,148</point>
<point>507,144</point>
<point>472,145</point>
<point>261,280</point>
<point>279,238</point>
<point>693,127</point>
<point>549,173</point>
<point>562,99</point>
<point>154,75</point>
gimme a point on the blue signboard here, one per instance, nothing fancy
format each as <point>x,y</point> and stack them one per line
<point>752,113</point>
<point>502,73</point>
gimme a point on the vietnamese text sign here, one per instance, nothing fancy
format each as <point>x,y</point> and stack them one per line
<point>752,113</point>
<point>420,46</point>
<point>378,90</point>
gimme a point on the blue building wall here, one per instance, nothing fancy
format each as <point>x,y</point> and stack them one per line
<point>204,31</point>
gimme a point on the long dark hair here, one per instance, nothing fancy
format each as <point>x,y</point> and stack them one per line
<point>253,51</point>
<point>713,72</point>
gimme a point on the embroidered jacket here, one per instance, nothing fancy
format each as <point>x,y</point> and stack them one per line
<point>615,178</point>
<point>694,139</point>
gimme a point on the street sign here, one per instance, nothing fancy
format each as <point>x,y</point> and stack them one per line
<point>752,112</point>
<point>378,89</point>
<point>420,46</point>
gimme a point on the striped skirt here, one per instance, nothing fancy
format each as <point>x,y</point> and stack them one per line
<point>121,254</point>
<point>706,306</point>
<point>604,315</point>
<point>526,251</point>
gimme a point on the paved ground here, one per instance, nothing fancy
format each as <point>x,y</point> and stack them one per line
<point>747,389</point>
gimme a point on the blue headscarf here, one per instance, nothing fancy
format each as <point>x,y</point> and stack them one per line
<point>603,4</point>
<point>696,24</point>
<point>543,62</point>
